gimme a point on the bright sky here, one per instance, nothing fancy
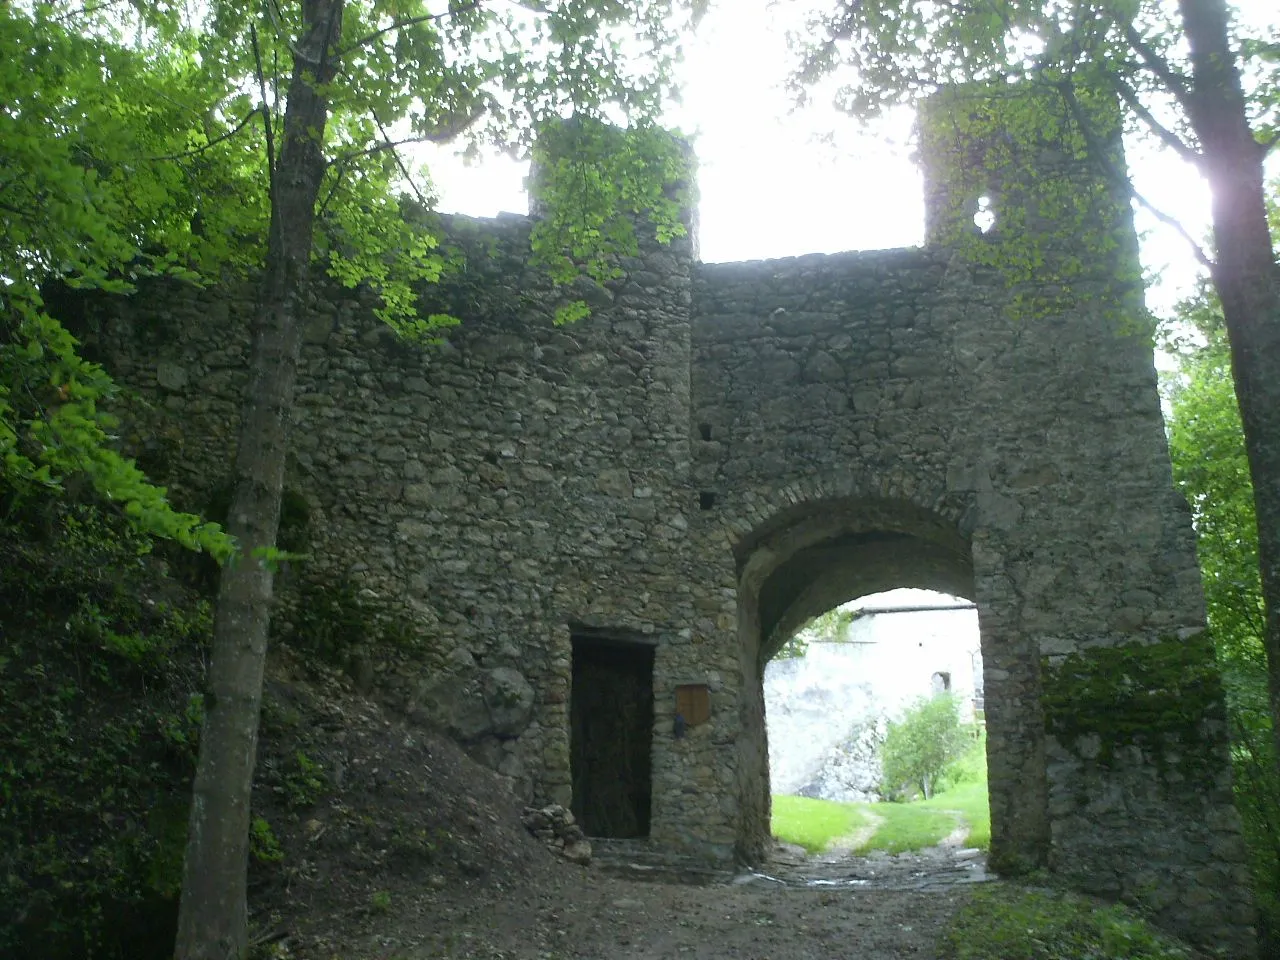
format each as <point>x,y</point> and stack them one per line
<point>903,597</point>
<point>775,183</point>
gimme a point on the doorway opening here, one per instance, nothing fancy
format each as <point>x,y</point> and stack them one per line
<point>611,735</point>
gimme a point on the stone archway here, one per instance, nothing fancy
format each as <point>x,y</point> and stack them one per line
<point>810,557</point>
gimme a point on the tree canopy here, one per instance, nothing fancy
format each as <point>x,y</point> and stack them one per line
<point>135,146</point>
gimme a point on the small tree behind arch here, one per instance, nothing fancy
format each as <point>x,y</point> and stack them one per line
<point>920,746</point>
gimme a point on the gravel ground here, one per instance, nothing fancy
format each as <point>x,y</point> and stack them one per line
<point>795,907</point>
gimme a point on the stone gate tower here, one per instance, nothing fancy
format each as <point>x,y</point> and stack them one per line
<point>602,533</point>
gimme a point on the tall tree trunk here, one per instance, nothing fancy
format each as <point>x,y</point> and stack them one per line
<point>213,917</point>
<point>1247,280</point>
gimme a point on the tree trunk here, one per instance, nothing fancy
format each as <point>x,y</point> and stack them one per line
<point>1247,280</point>
<point>213,916</point>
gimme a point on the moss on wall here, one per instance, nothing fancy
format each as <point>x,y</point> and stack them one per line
<point>1153,695</point>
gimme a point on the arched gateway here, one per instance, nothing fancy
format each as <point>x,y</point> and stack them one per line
<point>602,532</point>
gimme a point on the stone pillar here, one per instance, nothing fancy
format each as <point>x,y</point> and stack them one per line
<point>1102,691</point>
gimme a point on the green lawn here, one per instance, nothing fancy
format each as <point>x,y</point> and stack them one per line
<point>970,801</point>
<point>968,795</point>
<point>814,824</point>
<point>907,826</point>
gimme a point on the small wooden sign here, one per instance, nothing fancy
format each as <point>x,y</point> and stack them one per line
<point>693,703</point>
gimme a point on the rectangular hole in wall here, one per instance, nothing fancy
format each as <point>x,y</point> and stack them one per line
<point>704,431</point>
<point>611,735</point>
<point>706,499</point>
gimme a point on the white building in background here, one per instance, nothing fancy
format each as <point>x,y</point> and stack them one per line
<point>826,711</point>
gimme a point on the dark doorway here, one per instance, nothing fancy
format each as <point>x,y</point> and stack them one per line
<point>611,734</point>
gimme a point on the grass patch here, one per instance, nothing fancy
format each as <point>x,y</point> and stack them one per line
<point>813,824</point>
<point>907,826</point>
<point>1000,922</point>
<point>970,801</point>
<point>967,795</point>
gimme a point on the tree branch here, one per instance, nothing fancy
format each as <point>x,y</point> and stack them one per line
<point>1166,136</point>
<point>85,11</point>
<point>1109,170</point>
<point>273,12</point>
<point>402,24</point>
<point>196,151</point>
<point>386,144</point>
<point>1169,221</point>
<point>266,117</point>
<point>333,190</point>
<point>1176,83</point>
<point>386,138</point>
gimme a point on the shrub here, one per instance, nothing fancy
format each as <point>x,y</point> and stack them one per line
<point>918,748</point>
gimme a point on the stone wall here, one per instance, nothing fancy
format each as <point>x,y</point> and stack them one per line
<point>722,451</point>
<point>498,488</point>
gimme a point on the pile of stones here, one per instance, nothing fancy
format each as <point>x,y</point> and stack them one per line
<point>556,827</point>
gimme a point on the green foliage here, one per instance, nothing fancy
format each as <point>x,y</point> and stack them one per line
<point>1001,922</point>
<point>920,745</point>
<point>830,627</point>
<point>1210,467</point>
<point>1134,693</point>
<point>593,182</point>
<point>80,200</point>
<point>336,621</point>
<point>52,429</point>
<point>263,845</point>
<point>135,148</point>
<point>304,783</point>
<point>890,52</point>
<point>100,673</point>
<point>1061,239</point>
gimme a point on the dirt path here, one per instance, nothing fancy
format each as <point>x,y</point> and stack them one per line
<point>850,842</point>
<point>793,908</point>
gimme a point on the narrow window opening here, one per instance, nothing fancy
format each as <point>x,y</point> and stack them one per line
<point>704,431</point>
<point>706,499</point>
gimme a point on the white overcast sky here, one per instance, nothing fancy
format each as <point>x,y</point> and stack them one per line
<point>776,183</point>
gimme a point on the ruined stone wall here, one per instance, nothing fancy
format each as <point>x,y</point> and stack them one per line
<point>497,488</point>
<point>718,453</point>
